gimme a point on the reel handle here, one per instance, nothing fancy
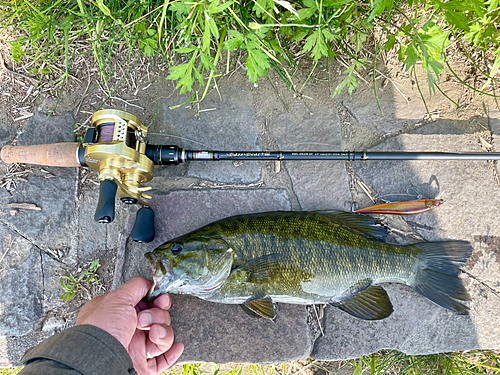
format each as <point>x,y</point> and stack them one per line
<point>105,211</point>
<point>144,227</point>
<point>52,155</point>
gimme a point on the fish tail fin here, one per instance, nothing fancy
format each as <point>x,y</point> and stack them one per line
<point>438,279</point>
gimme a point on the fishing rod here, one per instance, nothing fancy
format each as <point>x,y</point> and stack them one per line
<point>116,147</point>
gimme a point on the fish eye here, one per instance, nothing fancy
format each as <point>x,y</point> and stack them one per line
<point>176,249</point>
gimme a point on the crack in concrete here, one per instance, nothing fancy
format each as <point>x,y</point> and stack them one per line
<point>47,251</point>
<point>43,283</point>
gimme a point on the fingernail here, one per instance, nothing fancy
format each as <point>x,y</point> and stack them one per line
<point>162,332</point>
<point>145,319</point>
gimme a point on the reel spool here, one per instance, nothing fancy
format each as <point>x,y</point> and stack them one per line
<point>115,147</point>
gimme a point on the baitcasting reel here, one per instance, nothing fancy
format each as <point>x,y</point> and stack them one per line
<point>115,147</point>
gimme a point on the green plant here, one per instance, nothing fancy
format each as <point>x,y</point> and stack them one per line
<point>10,371</point>
<point>72,284</point>
<point>190,35</point>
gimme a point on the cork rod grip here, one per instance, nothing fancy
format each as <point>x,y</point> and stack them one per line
<point>53,155</point>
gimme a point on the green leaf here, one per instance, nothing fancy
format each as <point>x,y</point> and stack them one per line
<point>305,13</point>
<point>317,43</point>
<point>335,3</point>
<point>220,8</point>
<point>207,62</point>
<point>378,7</point>
<point>457,19</point>
<point>103,8</point>
<point>206,37</point>
<point>185,49</point>
<point>16,51</point>
<point>310,42</point>
<point>235,42</point>
<point>213,28</point>
<point>492,5</point>
<point>411,56</point>
<point>257,62</point>
<point>391,41</point>
<point>434,38</point>
<point>300,33</point>
<point>184,73</point>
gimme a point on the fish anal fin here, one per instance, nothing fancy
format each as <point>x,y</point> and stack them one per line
<point>264,307</point>
<point>371,304</point>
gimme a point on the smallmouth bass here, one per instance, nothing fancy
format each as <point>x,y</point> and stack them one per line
<point>337,258</point>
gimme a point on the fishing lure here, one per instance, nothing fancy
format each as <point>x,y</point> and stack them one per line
<point>403,208</point>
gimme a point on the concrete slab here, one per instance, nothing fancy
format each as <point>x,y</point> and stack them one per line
<point>21,282</point>
<point>318,185</point>
<point>471,213</point>
<point>227,124</point>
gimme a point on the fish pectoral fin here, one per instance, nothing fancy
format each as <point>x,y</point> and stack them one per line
<point>264,307</point>
<point>372,304</point>
<point>260,269</point>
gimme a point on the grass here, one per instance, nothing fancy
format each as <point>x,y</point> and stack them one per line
<point>190,36</point>
<point>72,285</point>
<point>10,371</point>
<point>386,362</point>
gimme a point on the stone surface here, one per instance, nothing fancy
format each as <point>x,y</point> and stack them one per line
<point>225,333</point>
<point>228,124</point>
<point>494,122</point>
<point>471,213</point>
<point>318,185</point>
<point>43,129</point>
<point>7,130</point>
<point>21,283</point>
<point>415,327</point>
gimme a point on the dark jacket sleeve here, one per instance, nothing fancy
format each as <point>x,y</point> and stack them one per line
<point>83,349</point>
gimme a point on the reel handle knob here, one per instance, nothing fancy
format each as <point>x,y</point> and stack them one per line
<point>144,227</point>
<point>105,211</point>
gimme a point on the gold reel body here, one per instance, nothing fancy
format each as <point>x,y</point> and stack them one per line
<point>116,150</point>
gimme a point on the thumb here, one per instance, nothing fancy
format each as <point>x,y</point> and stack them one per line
<point>134,290</point>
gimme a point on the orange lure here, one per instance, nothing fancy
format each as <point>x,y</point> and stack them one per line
<point>403,208</point>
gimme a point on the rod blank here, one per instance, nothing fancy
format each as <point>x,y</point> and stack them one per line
<point>175,155</point>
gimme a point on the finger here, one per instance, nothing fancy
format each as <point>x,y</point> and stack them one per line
<point>134,290</point>
<point>168,359</point>
<point>147,318</point>
<point>163,302</point>
<point>160,339</point>
<point>142,305</point>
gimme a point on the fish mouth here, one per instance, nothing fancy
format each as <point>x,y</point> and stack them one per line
<point>162,276</point>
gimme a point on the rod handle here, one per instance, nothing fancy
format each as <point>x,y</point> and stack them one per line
<point>52,155</point>
<point>144,227</point>
<point>105,211</point>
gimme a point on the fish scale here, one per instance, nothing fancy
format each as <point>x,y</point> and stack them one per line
<point>307,257</point>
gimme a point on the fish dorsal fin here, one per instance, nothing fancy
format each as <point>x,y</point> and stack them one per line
<point>264,307</point>
<point>372,304</point>
<point>366,226</point>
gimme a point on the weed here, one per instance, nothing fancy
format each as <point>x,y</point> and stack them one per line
<point>189,35</point>
<point>72,284</point>
<point>10,371</point>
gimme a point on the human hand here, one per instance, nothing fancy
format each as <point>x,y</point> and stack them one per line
<point>139,326</point>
